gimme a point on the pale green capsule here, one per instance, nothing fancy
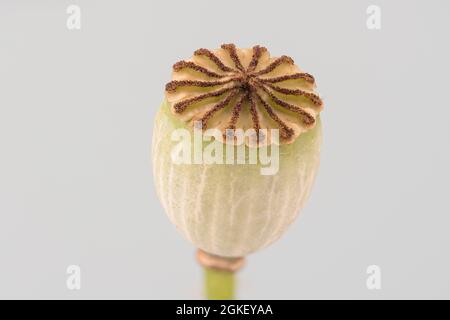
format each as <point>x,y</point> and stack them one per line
<point>232,210</point>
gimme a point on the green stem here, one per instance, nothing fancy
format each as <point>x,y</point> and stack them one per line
<point>219,285</point>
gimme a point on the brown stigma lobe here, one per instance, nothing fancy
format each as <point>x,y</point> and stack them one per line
<point>257,51</point>
<point>246,80</point>
<point>187,64</point>
<point>213,58</point>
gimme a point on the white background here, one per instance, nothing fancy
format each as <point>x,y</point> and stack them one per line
<point>76,115</point>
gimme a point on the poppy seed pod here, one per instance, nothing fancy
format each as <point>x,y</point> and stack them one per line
<point>231,194</point>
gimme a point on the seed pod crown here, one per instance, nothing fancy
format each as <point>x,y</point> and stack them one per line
<point>231,88</point>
